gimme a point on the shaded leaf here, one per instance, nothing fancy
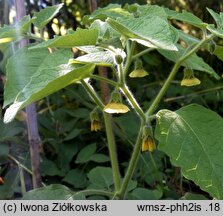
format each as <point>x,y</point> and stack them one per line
<point>74,133</point>
<point>145,194</point>
<point>52,192</point>
<point>49,168</point>
<point>192,196</point>
<point>194,132</point>
<point>45,15</point>
<point>99,158</point>
<point>150,31</point>
<point>101,177</point>
<point>85,153</point>
<point>77,178</point>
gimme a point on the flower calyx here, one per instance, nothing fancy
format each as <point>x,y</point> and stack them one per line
<point>115,105</point>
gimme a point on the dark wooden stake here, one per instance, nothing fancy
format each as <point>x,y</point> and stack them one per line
<point>32,127</point>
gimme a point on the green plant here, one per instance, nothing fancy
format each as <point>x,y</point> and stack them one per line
<point>115,38</point>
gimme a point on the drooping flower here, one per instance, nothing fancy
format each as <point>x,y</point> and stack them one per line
<point>148,144</point>
<point>138,73</point>
<point>193,81</point>
<point>116,108</point>
<point>189,79</point>
<point>95,120</point>
<point>95,125</point>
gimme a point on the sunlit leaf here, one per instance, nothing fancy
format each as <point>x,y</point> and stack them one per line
<point>150,31</point>
<point>43,75</point>
<point>193,62</point>
<point>81,37</point>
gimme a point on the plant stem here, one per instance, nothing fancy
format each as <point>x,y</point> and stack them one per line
<point>142,53</point>
<point>101,78</point>
<point>205,91</point>
<point>133,102</point>
<point>130,51</point>
<point>132,164</point>
<point>92,93</point>
<point>20,165</point>
<point>129,95</point>
<point>172,74</point>
<point>109,133</point>
<point>112,151</point>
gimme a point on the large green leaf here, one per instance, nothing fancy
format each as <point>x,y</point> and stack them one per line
<point>52,192</point>
<point>218,19</point>
<point>145,194</point>
<point>41,75</point>
<point>81,37</point>
<point>149,31</point>
<point>151,10</point>
<point>193,62</point>
<point>45,15</point>
<point>192,137</point>
<point>85,153</point>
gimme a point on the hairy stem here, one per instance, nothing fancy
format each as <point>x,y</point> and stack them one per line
<point>132,165</point>
<point>172,74</point>
<point>109,133</point>
<point>101,78</point>
<point>112,151</point>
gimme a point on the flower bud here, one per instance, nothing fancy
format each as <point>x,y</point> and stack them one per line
<point>118,59</point>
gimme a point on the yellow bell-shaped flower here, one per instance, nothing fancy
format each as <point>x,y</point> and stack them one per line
<point>116,108</point>
<point>193,81</point>
<point>189,78</point>
<point>148,144</point>
<point>95,120</point>
<point>95,125</point>
<point>138,73</point>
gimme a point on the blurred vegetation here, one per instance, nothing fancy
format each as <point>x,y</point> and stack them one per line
<point>64,116</point>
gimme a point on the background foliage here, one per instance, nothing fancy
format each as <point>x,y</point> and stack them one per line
<point>76,157</point>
